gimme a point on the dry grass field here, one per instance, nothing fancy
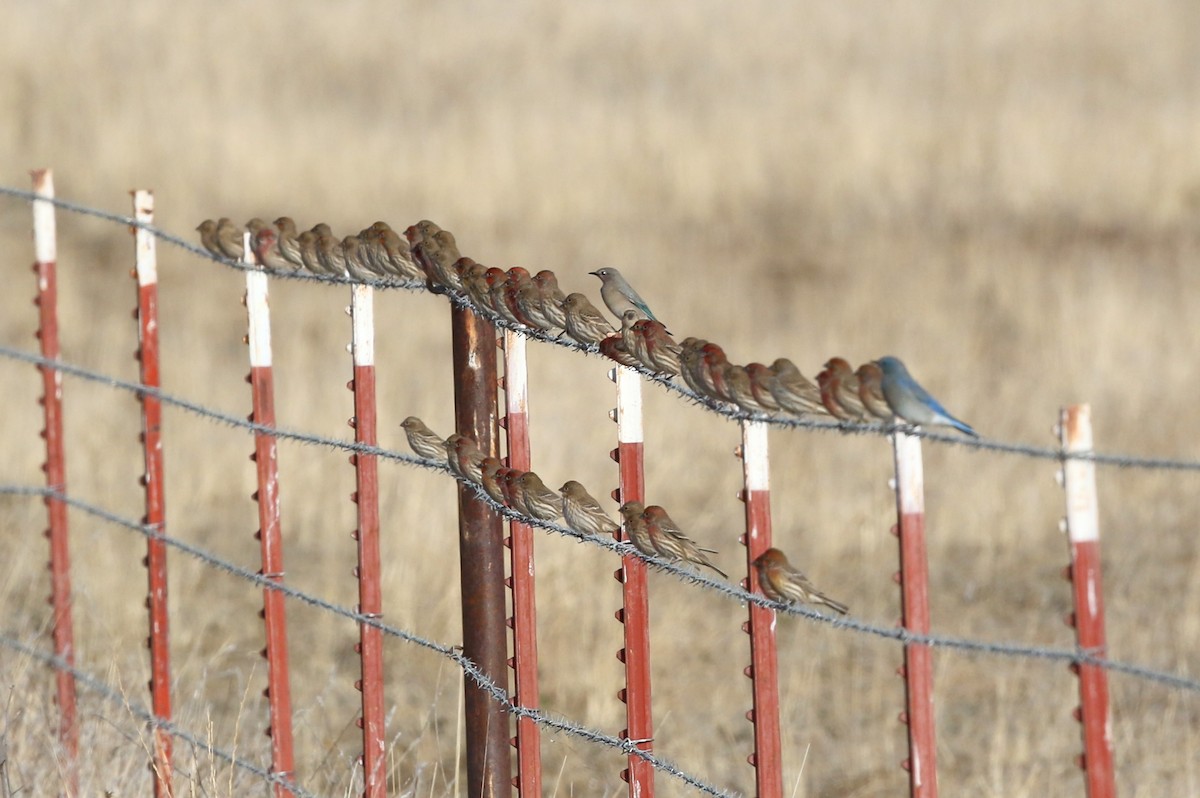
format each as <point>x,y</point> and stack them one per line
<point>1006,195</point>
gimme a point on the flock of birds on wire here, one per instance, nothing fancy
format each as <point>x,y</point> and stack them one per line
<point>881,389</point>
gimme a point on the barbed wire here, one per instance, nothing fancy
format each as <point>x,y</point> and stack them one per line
<point>93,684</point>
<point>453,653</point>
<point>720,408</point>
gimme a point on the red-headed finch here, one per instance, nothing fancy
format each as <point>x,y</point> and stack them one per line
<point>423,440</point>
<point>490,472</point>
<point>794,392</point>
<point>781,581</point>
<point>635,528</point>
<point>541,502</point>
<point>266,249</point>
<point>583,513</point>
<point>584,323</point>
<point>613,348</point>
<point>761,378</point>
<point>690,364</point>
<point>737,382</point>
<point>669,541</point>
<point>870,390</point>
<point>839,391</point>
<point>514,490</point>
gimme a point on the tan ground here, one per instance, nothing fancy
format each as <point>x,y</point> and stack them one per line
<point>1005,195</point>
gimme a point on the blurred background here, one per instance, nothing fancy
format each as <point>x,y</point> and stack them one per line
<point>1005,195</point>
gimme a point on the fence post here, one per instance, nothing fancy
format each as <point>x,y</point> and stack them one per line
<point>146,274</point>
<point>45,248</point>
<point>763,670</point>
<point>524,618</point>
<point>270,535</point>
<point>635,611</point>
<point>481,560</point>
<point>913,577</point>
<point>1083,533</point>
<point>368,571</point>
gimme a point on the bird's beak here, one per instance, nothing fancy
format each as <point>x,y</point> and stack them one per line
<point>596,274</point>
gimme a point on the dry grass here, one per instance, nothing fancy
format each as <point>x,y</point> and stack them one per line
<point>1003,194</point>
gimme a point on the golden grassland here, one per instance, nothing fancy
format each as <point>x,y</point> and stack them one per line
<point>1005,195</point>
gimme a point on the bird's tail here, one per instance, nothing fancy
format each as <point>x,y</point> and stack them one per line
<point>961,427</point>
<point>836,606</point>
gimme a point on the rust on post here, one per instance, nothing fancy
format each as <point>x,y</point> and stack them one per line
<point>481,560</point>
<point>46,267</point>
<point>914,585</point>
<point>146,274</point>
<point>1083,533</point>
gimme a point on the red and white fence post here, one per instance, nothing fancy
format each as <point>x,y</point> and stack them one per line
<point>635,611</point>
<point>524,662</point>
<point>45,247</point>
<point>763,670</point>
<point>146,274</point>
<point>368,571</point>
<point>913,577</point>
<point>1083,532</point>
<point>270,535</point>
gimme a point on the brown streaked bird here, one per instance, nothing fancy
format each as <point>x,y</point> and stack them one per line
<point>229,239</point>
<point>552,298</point>
<point>760,385</point>
<point>514,490</point>
<point>371,253</point>
<point>737,382</point>
<point>289,246</point>
<point>690,362</point>
<point>635,527</point>
<point>517,278</point>
<point>266,249</point>
<point>475,286</point>
<point>356,260</point>
<point>661,349</point>
<point>669,541</point>
<point>541,502</point>
<point>870,390</point>
<point>399,253</point>
<point>330,252</point>
<point>307,242</point>
<point>613,348</point>
<point>781,581</point>
<point>584,322</point>
<point>424,441</point>
<point>583,513</point>
<point>467,455</point>
<point>839,391</point>
<point>529,303</point>
<point>714,365</point>
<point>794,392</point>
<point>208,237</point>
<point>490,472</point>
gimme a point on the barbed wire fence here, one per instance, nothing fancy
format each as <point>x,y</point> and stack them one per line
<point>635,748</point>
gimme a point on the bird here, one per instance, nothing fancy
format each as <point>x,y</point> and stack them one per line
<point>229,239</point>
<point>794,392</point>
<point>464,458</point>
<point>583,513</point>
<point>741,389</point>
<point>619,295</point>
<point>541,502</point>
<point>613,348</point>
<point>662,352</point>
<point>636,531</point>
<point>491,469</point>
<point>909,401</point>
<point>514,490</point>
<point>208,237</point>
<point>517,279</point>
<point>669,541</point>
<point>839,391</point>
<point>870,390</point>
<point>266,249</point>
<point>583,322</point>
<point>399,254</point>
<point>760,385</point>
<point>552,298</point>
<point>371,253</point>
<point>357,265</point>
<point>424,441</point>
<point>713,364</point>
<point>475,286</point>
<point>690,364</point>
<point>330,252</point>
<point>307,243</point>
<point>781,581</point>
<point>289,247</point>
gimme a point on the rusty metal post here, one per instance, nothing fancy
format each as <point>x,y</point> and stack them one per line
<point>635,610</point>
<point>763,670</point>
<point>524,618</point>
<point>481,560</point>
<point>368,571</point>
<point>46,266</point>
<point>146,273</point>
<point>1083,532</point>
<point>270,535</point>
<point>913,577</point>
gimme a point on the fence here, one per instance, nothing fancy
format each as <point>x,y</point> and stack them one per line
<point>484,655</point>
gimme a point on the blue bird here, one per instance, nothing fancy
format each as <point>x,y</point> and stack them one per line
<point>912,403</point>
<point>619,295</point>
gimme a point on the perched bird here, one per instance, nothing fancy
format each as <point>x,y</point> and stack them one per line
<point>552,298</point>
<point>371,253</point>
<point>669,541</point>
<point>254,225</point>
<point>794,392</point>
<point>760,385</point>
<point>517,279</point>
<point>423,440</point>
<point>465,458</point>
<point>266,249</point>
<point>229,239</point>
<point>739,386</point>
<point>490,472</point>
<point>613,348</point>
<point>636,531</point>
<point>289,247</point>
<point>713,365</point>
<point>307,242</point>
<point>619,295</point>
<point>529,304</point>
<point>781,581</point>
<point>208,237</point>
<point>541,502</point>
<point>514,490</point>
<point>583,322</point>
<point>357,264</point>
<point>475,286</point>
<point>691,364</point>
<point>399,254</point>
<point>330,252</point>
<point>839,391</point>
<point>583,513</point>
<point>909,401</point>
<point>870,390</point>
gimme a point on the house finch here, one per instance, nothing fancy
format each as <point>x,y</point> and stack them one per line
<point>266,249</point>
<point>517,278</point>
<point>289,247</point>
<point>619,295</point>
<point>713,364</point>
<point>552,298</point>
<point>635,528</point>
<point>529,303</point>
<point>307,242</point>
<point>423,440</point>
<point>870,390</point>
<point>396,248</point>
<point>794,392</point>
<point>737,382</point>
<point>669,541</point>
<point>613,348</point>
<point>911,402</point>
<point>690,364</point>
<point>208,237</point>
<point>760,385</point>
<point>780,581</point>
<point>229,239</point>
<point>584,323</point>
<point>360,269</point>
<point>583,513</point>
<point>661,350</point>
<point>491,470</point>
<point>541,502</point>
<point>475,286</point>
<point>839,391</point>
<point>464,458</point>
<point>498,282</point>
<point>330,252</point>
<point>514,490</point>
